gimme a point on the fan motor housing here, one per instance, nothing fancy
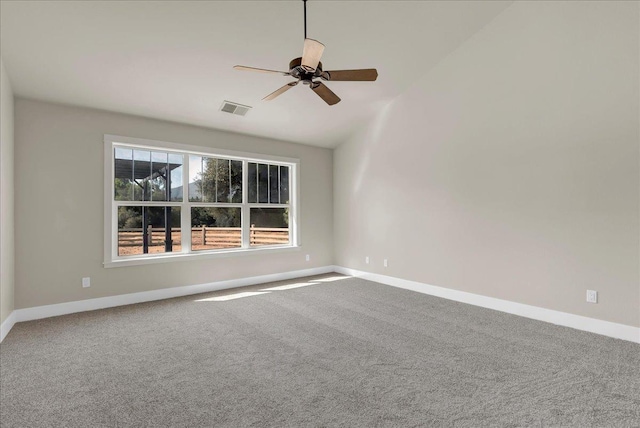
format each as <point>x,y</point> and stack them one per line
<point>297,71</point>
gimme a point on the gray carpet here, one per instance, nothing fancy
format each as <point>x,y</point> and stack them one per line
<point>338,353</point>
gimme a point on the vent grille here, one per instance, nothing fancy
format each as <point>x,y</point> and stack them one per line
<point>234,108</point>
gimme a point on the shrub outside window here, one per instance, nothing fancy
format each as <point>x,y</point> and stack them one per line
<point>166,200</point>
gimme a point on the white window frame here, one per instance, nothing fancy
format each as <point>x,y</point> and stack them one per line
<point>111,258</point>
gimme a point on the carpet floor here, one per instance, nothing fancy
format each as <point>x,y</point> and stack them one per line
<point>320,351</point>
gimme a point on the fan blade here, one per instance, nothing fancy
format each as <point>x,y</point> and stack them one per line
<point>280,91</point>
<point>364,75</point>
<point>262,70</point>
<point>325,93</point>
<point>311,54</point>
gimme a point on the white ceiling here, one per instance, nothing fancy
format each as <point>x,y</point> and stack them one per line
<point>173,60</point>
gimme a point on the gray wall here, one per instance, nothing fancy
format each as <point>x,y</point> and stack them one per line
<point>510,169</point>
<point>6,196</point>
<point>59,198</point>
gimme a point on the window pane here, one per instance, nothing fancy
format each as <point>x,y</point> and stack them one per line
<point>123,171</point>
<point>215,228</point>
<point>123,153</point>
<point>144,175</point>
<point>162,226</point>
<point>223,183</point>
<point>159,157</point>
<point>268,184</point>
<point>263,183</point>
<point>158,187</point>
<point>195,178</point>
<point>284,184</point>
<point>141,175</point>
<point>158,180</point>
<point>129,231</point>
<point>252,176</point>
<point>236,181</point>
<point>269,226</point>
<point>175,177</point>
<point>208,179</point>
<point>274,185</point>
<point>215,180</point>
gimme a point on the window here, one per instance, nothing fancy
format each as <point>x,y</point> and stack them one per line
<point>168,201</point>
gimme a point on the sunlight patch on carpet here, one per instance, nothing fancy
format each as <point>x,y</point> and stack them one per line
<point>332,278</point>
<point>290,286</point>
<point>232,296</point>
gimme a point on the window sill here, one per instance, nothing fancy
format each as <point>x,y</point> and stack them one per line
<point>180,257</point>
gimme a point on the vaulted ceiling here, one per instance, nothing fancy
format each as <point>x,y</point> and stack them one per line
<point>173,60</point>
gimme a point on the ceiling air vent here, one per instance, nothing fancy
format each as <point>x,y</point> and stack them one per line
<point>234,108</point>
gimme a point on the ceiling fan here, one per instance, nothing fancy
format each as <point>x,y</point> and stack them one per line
<point>308,69</point>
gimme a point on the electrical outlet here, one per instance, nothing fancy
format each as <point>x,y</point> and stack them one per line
<point>386,263</point>
<point>592,296</point>
<point>86,282</point>
<point>366,260</point>
<point>308,257</point>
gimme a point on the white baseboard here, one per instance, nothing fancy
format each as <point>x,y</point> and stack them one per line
<point>7,325</point>
<point>47,311</point>
<point>606,328</point>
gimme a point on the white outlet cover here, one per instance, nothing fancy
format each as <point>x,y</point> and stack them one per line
<point>366,260</point>
<point>386,264</point>
<point>592,296</point>
<point>308,257</point>
<point>86,282</point>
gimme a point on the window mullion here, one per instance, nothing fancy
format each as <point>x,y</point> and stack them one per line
<point>185,211</point>
<point>115,235</point>
<point>215,177</point>
<point>294,231</point>
<point>245,219</point>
